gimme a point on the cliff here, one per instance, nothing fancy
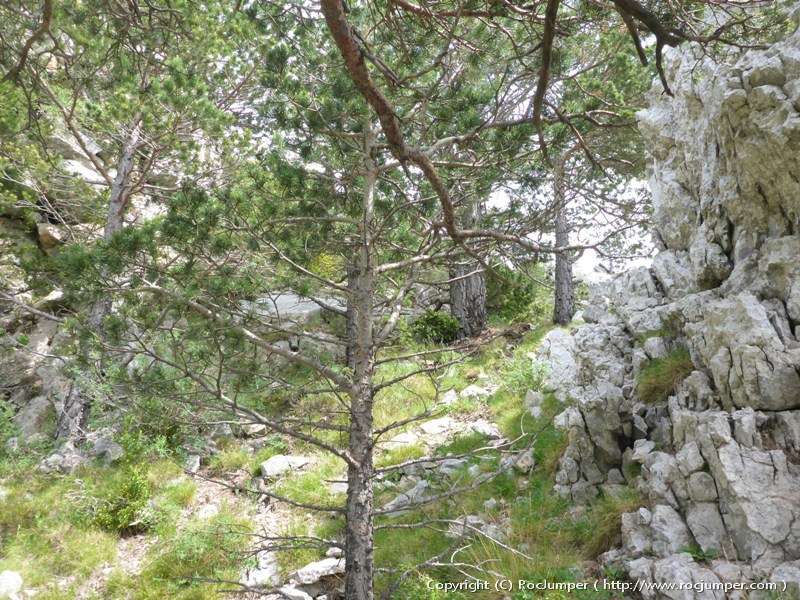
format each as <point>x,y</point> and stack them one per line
<point>685,380</point>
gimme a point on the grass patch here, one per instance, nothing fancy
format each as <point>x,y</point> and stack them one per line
<point>603,520</point>
<point>657,380</point>
<point>395,456</point>
<point>203,550</point>
<point>229,460</point>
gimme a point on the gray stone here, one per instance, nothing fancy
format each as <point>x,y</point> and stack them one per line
<point>655,347</point>
<point>524,461</point>
<point>107,450</point>
<point>670,533</point>
<point>10,585</point>
<point>701,487</point>
<point>449,397</point>
<point>682,568</point>
<point>33,417</point>
<point>291,592</point>
<point>312,573</point>
<point>282,463</point>
<point>533,402</point>
<point>706,525</point>
<point>472,525</point>
<point>689,458</point>
<point>265,574</point>
<point>402,440</point>
<point>439,427</point>
<point>557,351</point>
<point>192,464</point>
<point>474,392</point>
<point>408,498</point>
<point>485,428</point>
<point>641,449</point>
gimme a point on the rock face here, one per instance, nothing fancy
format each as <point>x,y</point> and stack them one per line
<point>717,457</point>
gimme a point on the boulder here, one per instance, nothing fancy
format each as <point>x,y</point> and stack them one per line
<point>50,236</point>
<point>10,585</point>
<point>281,464</point>
<point>474,392</point>
<point>33,417</point>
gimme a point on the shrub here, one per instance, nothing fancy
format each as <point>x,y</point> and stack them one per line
<point>121,504</point>
<point>521,374</point>
<point>435,326</point>
<point>657,380</point>
<point>508,293</point>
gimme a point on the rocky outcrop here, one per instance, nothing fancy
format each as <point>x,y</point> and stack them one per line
<point>716,458</point>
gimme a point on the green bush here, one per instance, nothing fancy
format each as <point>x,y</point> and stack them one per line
<point>509,294</point>
<point>121,504</point>
<point>657,380</point>
<point>435,326</point>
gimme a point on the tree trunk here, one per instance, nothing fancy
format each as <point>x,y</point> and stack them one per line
<point>350,315</point>
<point>468,299</point>
<point>359,565</point>
<point>71,422</point>
<point>564,303</point>
<point>468,290</point>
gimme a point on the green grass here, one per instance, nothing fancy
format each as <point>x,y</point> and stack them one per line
<point>399,455</point>
<point>181,566</point>
<point>657,380</point>
<point>229,460</point>
<point>43,534</point>
<point>55,526</point>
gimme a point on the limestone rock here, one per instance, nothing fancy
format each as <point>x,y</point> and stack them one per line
<point>314,572</point>
<point>10,585</point>
<point>557,351</point>
<point>670,534</point>
<point>281,464</point>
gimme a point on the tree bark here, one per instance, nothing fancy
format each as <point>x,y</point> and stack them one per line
<point>564,302</point>
<point>468,290</point>
<point>351,332</point>
<point>468,299</point>
<point>72,420</point>
<point>359,565</point>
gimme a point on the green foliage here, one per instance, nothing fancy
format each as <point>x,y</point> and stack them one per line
<point>7,427</point>
<point>699,554</point>
<point>520,374</point>
<point>657,380</point>
<point>120,504</point>
<point>230,459</point>
<point>435,326</point>
<point>510,294</point>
